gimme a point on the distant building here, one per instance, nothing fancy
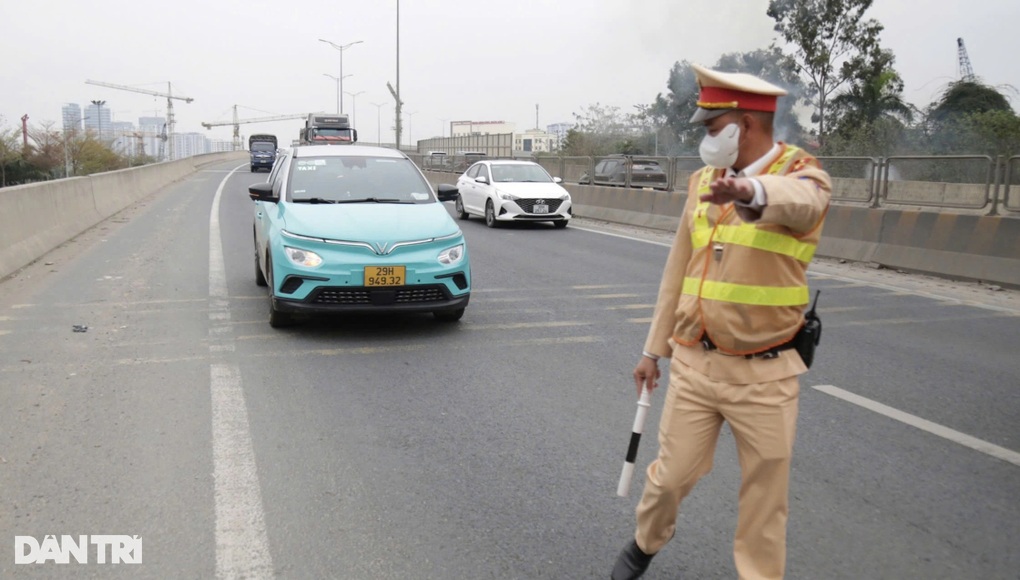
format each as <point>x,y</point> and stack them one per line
<point>220,145</point>
<point>152,128</point>
<point>534,141</point>
<point>560,131</point>
<point>71,115</point>
<point>97,119</point>
<point>464,128</point>
<point>190,144</point>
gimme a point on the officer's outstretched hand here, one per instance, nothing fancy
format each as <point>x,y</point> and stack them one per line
<point>729,189</point>
<point>646,374</point>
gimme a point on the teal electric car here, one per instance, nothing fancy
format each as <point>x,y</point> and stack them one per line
<point>356,229</point>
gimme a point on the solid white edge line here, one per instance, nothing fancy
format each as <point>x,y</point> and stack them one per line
<point>923,424</point>
<point>242,543</point>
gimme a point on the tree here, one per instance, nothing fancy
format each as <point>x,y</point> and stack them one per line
<point>96,157</point>
<point>47,151</point>
<point>869,117</point>
<point>967,97</point>
<point>874,92</point>
<point>601,130</point>
<point>826,35</point>
<point>992,132</point>
<point>10,152</point>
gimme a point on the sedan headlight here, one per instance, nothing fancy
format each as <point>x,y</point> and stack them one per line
<point>451,256</point>
<point>302,257</point>
<point>565,197</point>
<point>506,196</point>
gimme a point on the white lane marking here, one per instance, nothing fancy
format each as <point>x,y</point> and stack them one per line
<point>242,544</point>
<point>653,242</point>
<point>923,424</point>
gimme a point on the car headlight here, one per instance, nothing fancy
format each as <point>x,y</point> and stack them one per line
<point>565,197</point>
<point>302,257</point>
<point>506,196</point>
<point>451,256</point>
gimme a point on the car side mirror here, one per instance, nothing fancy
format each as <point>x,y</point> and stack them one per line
<point>557,180</point>
<point>482,179</point>
<point>447,192</point>
<point>261,192</point>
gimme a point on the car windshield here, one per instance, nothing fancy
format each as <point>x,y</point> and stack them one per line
<point>519,172</point>
<point>263,146</point>
<point>352,179</point>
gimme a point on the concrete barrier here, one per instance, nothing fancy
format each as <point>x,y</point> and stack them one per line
<point>38,217</point>
<point>950,244</point>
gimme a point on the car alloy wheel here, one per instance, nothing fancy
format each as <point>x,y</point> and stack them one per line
<point>459,206</point>
<point>490,214</point>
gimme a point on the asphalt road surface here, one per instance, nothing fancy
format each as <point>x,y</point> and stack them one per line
<point>401,447</point>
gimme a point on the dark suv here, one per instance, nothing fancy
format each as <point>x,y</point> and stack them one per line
<point>612,171</point>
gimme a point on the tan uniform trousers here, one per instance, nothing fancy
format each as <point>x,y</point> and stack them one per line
<point>763,419</point>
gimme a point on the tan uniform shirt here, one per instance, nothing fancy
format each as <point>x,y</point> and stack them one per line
<point>795,203</point>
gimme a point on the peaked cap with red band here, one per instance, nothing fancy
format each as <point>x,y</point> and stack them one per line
<point>722,92</point>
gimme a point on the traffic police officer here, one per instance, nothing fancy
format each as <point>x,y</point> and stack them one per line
<point>730,303</point>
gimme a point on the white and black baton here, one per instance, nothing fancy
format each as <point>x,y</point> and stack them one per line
<point>635,437</point>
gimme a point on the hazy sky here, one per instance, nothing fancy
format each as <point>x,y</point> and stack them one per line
<point>476,60</point>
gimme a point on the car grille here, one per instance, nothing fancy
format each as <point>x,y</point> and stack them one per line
<point>378,296</point>
<point>528,205</point>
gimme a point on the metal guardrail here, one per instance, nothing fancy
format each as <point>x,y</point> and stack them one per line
<point>867,169</point>
<point>937,168</point>
<point>923,174</point>
<point>1007,182</point>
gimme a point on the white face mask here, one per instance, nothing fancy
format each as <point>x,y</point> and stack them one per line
<point>720,150</point>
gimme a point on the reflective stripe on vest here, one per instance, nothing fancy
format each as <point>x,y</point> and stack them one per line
<point>748,235</point>
<point>745,294</point>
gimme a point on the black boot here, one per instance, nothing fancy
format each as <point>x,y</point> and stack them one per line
<point>632,563</point>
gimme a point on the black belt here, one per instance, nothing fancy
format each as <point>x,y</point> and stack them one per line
<point>773,352</point>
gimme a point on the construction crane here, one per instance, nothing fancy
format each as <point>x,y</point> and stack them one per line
<point>966,71</point>
<point>169,104</point>
<point>236,122</point>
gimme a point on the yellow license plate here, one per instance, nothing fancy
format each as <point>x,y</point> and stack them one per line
<point>385,275</point>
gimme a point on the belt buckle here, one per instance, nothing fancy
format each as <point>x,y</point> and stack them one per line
<point>769,354</point>
<point>707,344</point>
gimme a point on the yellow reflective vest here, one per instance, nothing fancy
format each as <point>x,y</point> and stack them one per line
<point>737,277</point>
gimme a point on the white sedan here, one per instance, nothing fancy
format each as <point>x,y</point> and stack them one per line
<point>504,191</point>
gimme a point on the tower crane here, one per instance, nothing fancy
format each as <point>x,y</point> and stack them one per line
<point>236,122</point>
<point>966,71</point>
<point>169,103</point>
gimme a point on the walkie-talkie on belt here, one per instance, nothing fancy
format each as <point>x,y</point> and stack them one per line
<point>810,334</point>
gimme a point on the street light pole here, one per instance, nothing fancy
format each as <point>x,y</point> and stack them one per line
<point>410,135</point>
<point>99,117</point>
<point>341,48</point>
<point>337,79</point>
<point>378,123</point>
<point>354,112</point>
<point>397,112</point>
